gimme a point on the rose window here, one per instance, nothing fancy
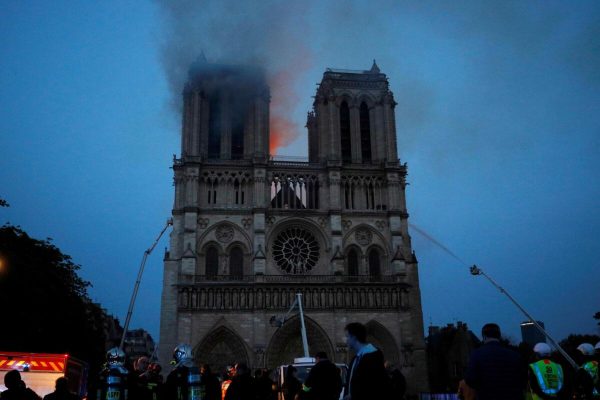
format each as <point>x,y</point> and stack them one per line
<point>296,251</point>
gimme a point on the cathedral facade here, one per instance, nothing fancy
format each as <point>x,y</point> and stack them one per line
<point>250,231</point>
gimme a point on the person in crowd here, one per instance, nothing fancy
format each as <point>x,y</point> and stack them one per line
<point>264,385</point>
<point>61,391</point>
<point>154,380</point>
<point>212,387</point>
<point>183,383</point>
<point>114,377</point>
<point>397,380</point>
<point>495,372</point>
<point>586,378</point>
<point>242,384</point>
<point>16,388</point>
<point>546,378</point>
<point>323,381</point>
<point>138,380</point>
<point>227,377</point>
<point>367,378</point>
<point>291,384</point>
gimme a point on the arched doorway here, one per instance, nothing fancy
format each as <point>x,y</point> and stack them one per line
<point>286,342</point>
<point>221,347</point>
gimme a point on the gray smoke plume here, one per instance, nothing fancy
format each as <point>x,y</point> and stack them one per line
<point>268,34</point>
<point>462,71</point>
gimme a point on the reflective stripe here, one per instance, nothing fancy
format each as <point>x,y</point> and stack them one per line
<point>551,379</point>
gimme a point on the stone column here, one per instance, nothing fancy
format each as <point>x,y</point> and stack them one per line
<point>390,127</point>
<point>355,133</point>
<point>323,131</point>
<point>380,131</point>
<point>203,128</point>
<point>225,127</point>
<point>333,114</point>
<point>196,113</point>
<point>186,117</point>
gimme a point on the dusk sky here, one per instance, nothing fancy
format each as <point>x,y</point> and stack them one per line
<point>498,119</point>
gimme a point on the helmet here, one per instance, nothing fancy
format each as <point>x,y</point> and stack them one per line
<point>181,352</point>
<point>597,347</point>
<point>115,357</point>
<point>542,349</point>
<point>586,349</point>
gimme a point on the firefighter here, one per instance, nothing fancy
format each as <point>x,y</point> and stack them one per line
<point>590,366</point>
<point>587,375</point>
<point>113,378</point>
<point>183,383</point>
<point>546,378</point>
<point>138,380</point>
<point>154,380</point>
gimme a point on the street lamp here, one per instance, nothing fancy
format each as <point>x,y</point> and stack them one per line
<point>278,321</point>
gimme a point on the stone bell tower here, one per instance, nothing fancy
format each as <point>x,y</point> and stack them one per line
<point>251,231</point>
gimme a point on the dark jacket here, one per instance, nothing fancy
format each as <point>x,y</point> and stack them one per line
<point>324,381</point>
<point>367,377</point>
<point>61,396</point>
<point>496,373</point>
<point>19,394</point>
<point>212,386</point>
<point>291,387</point>
<point>241,388</point>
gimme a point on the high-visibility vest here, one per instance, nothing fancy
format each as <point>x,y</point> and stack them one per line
<point>549,376</point>
<point>591,367</point>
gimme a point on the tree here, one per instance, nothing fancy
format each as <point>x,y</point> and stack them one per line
<point>45,304</point>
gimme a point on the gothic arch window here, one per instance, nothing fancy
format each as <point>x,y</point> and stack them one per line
<point>236,263</point>
<point>214,128</point>
<point>365,133</point>
<point>374,263</point>
<point>212,191</point>
<point>345,132</point>
<point>370,196</point>
<point>239,193</point>
<point>212,262</point>
<point>352,263</point>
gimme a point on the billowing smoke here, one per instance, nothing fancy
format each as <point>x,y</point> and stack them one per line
<point>266,34</point>
<point>462,72</point>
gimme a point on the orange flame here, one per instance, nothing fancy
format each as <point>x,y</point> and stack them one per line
<point>284,99</point>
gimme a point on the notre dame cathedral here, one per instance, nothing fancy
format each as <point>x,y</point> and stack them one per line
<point>250,231</point>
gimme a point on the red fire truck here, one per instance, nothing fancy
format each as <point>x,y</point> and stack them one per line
<point>39,371</point>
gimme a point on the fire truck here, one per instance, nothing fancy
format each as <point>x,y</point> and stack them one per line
<point>40,371</point>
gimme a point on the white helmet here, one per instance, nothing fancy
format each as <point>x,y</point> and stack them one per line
<point>586,349</point>
<point>182,351</point>
<point>542,349</point>
<point>115,357</point>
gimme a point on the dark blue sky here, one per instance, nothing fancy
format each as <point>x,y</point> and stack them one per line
<point>498,118</point>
